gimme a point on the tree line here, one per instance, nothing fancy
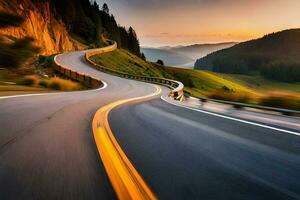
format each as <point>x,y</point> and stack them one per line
<point>90,22</point>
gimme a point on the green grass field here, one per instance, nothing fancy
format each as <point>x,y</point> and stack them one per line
<point>124,61</point>
<point>201,83</point>
<point>260,83</point>
<point>197,83</point>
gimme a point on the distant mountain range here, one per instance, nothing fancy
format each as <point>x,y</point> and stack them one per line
<point>170,58</point>
<point>184,56</point>
<point>276,56</point>
<point>200,50</point>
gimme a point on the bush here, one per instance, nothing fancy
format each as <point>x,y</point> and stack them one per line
<point>62,84</point>
<point>43,83</point>
<point>160,62</point>
<point>30,80</point>
<point>226,89</point>
<point>47,61</point>
<point>281,100</point>
<point>54,85</point>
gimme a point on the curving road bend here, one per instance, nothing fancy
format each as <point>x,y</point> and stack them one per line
<point>47,150</point>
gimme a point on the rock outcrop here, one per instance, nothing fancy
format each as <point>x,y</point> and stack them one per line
<point>50,33</point>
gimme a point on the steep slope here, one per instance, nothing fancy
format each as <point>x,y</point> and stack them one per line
<point>40,24</point>
<point>275,56</point>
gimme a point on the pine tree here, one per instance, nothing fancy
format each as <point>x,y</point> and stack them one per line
<point>124,37</point>
<point>133,42</point>
<point>105,8</point>
<point>143,56</point>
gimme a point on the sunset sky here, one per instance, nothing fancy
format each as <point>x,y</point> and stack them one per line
<point>179,22</point>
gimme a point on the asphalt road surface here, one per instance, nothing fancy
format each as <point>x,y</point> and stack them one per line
<point>47,150</point>
<point>185,154</point>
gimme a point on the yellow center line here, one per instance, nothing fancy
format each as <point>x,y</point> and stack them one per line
<point>125,179</point>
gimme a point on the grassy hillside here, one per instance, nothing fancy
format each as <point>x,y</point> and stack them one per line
<point>259,83</point>
<point>239,88</point>
<point>197,83</point>
<point>202,83</point>
<point>124,61</point>
<point>275,56</point>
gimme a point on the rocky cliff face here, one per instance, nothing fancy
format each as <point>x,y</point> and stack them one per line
<point>50,33</point>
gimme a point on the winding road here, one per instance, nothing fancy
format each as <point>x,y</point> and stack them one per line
<point>47,149</point>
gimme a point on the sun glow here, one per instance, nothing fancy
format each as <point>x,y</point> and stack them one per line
<point>201,21</point>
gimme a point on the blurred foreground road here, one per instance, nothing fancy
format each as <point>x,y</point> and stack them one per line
<point>185,154</point>
<point>47,149</point>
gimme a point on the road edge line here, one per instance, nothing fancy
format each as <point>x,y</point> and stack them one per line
<point>233,118</point>
<point>126,181</point>
<point>54,93</point>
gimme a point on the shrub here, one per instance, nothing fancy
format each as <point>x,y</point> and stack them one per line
<point>54,85</point>
<point>160,62</point>
<point>281,100</point>
<point>62,84</point>
<point>43,83</point>
<point>46,61</point>
<point>29,80</point>
<point>225,88</point>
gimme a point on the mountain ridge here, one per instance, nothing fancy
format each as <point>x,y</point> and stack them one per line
<point>275,55</point>
<point>198,50</point>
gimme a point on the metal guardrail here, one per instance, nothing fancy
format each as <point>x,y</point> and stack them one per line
<point>245,105</point>
<point>86,80</point>
<point>175,86</point>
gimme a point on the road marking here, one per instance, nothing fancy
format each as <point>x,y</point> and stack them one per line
<point>54,93</point>
<point>232,118</point>
<point>125,179</point>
